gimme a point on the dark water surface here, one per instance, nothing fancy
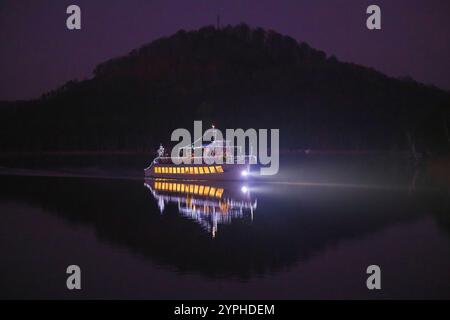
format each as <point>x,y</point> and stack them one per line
<point>310,232</point>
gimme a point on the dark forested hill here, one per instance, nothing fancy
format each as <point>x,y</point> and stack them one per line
<point>236,77</point>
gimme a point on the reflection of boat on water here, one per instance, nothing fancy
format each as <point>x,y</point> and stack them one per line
<point>208,204</point>
<point>279,238</point>
<point>218,160</point>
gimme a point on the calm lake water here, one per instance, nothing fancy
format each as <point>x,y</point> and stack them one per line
<point>309,232</point>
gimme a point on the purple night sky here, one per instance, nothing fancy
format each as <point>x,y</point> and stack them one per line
<point>38,53</point>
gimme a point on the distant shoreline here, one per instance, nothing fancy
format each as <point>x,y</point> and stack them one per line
<point>130,152</point>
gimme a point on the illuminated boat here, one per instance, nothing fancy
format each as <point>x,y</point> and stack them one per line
<point>208,204</point>
<point>164,167</point>
<point>169,170</point>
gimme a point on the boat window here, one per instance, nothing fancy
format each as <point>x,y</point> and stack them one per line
<point>206,169</point>
<point>178,170</point>
<point>219,193</point>
<point>219,169</point>
<point>201,170</point>
<point>182,169</point>
<point>200,190</point>
<point>212,192</point>
<point>195,170</point>
<point>212,169</point>
<point>191,170</point>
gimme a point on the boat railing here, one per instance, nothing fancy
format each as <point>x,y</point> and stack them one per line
<point>216,144</point>
<point>188,159</point>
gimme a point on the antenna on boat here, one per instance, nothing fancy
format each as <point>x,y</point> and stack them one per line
<point>214,131</point>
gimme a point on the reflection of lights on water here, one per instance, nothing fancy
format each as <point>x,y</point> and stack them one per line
<point>208,211</point>
<point>161,205</point>
<point>244,173</point>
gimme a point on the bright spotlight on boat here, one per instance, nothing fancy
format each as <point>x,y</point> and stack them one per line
<point>244,173</point>
<point>244,189</point>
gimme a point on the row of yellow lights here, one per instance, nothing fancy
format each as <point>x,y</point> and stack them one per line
<point>190,188</point>
<point>189,170</point>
